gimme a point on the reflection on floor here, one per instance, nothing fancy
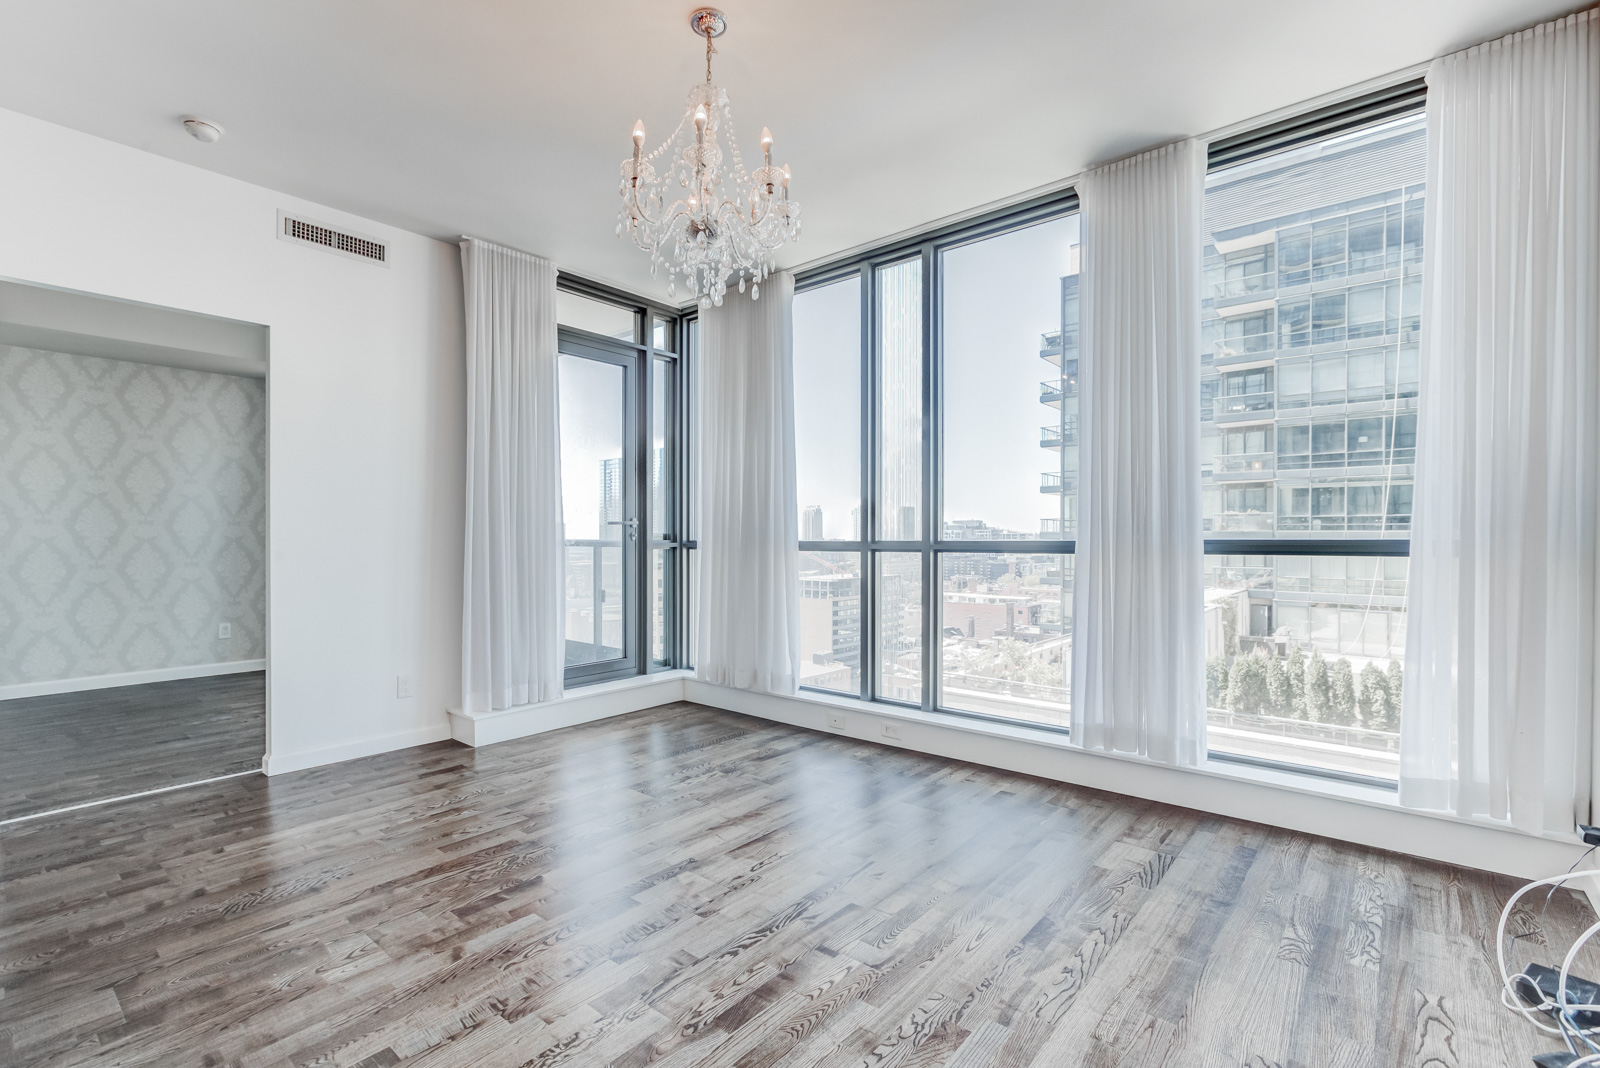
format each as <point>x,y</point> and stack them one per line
<point>688,888</point>
<point>65,749</point>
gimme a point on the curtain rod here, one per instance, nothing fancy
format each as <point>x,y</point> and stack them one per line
<point>1382,81</point>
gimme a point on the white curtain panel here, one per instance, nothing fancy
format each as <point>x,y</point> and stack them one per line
<point>512,633</point>
<point>1499,687</point>
<point>748,633</point>
<point>1138,648</point>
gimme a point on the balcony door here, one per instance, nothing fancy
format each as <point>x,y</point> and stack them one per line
<point>600,464</point>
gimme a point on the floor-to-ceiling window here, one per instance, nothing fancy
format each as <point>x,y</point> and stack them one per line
<point>621,380</point>
<point>1311,312</point>
<point>936,417</point>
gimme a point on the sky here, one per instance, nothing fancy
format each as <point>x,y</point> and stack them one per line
<point>591,431</point>
<point>1000,294</point>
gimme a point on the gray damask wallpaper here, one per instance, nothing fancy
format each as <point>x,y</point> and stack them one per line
<point>132,516</point>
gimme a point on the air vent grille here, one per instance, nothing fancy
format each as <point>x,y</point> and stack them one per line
<point>304,231</point>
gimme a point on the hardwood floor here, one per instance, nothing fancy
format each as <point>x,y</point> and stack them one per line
<point>688,887</point>
<point>68,748</point>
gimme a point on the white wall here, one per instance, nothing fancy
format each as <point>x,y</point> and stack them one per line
<point>365,414</point>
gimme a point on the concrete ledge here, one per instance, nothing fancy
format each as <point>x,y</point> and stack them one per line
<point>581,705</point>
<point>127,678</point>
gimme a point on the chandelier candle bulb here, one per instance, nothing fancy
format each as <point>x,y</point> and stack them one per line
<point>707,237</point>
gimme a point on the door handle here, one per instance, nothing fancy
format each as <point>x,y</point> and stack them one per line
<point>631,524</point>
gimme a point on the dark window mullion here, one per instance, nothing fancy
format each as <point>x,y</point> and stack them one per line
<point>932,474</point>
<point>869,481</point>
<point>1307,547</point>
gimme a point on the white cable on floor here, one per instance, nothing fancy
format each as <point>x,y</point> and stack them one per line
<point>1511,999</point>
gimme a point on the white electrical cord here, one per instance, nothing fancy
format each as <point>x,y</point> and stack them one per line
<point>1511,999</point>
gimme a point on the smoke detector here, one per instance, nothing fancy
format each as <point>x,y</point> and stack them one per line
<point>203,130</point>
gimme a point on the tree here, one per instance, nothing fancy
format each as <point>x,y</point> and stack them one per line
<point>1294,675</point>
<point>1341,693</point>
<point>1247,685</point>
<point>1230,628</point>
<point>1319,694</point>
<point>1216,682</point>
<point>1396,684</point>
<point>1010,660</point>
<point>1278,696</point>
<point>1374,702</point>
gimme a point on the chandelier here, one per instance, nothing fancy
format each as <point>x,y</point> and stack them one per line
<point>698,218</point>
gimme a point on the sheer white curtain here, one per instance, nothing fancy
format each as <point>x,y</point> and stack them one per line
<point>1499,685</point>
<point>512,633</point>
<point>749,608</point>
<point>1138,653</point>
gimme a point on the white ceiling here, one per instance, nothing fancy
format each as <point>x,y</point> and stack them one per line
<point>507,120</point>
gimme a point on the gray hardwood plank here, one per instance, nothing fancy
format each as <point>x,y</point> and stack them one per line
<point>688,887</point>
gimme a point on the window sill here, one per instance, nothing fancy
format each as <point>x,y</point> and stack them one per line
<point>1221,771</point>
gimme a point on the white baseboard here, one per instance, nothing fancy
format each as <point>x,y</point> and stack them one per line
<point>583,705</point>
<point>300,759</point>
<point>127,678</point>
<point>1362,816</point>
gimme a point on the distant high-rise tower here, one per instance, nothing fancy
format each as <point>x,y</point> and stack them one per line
<point>855,523</point>
<point>811,523</point>
<point>610,498</point>
<point>908,523</point>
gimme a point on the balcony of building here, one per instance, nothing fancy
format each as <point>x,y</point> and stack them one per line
<point>1057,343</point>
<point>1058,528</point>
<point>1051,482</point>
<point>1243,523</point>
<point>1251,348</point>
<point>1052,391</point>
<point>1249,467</point>
<point>1054,437</point>
<point>1244,408</point>
<point>1358,525</point>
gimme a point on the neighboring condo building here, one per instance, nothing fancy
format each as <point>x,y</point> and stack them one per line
<point>1308,383</point>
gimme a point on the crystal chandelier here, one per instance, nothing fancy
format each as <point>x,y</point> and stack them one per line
<point>698,218</point>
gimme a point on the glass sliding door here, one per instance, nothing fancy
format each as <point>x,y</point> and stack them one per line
<point>599,495</point>
<point>623,368</point>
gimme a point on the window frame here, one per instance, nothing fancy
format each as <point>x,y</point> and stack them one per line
<point>1402,100</point>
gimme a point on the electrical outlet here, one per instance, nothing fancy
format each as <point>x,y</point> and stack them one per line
<point>891,730</point>
<point>836,721</point>
<point>224,630</point>
<point>403,686</point>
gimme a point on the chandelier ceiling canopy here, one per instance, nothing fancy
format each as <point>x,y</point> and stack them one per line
<point>704,217</point>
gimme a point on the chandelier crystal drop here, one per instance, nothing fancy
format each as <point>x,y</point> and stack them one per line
<point>704,217</point>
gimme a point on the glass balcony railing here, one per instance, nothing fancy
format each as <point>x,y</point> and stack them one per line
<point>1056,343</point>
<point>1053,390</point>
<point>1051,482</point>
<point>1244,465</point>
<point>1244,522</point>
<point>1229,348</point>
<point>1242,406</point>
<point>1054,437</point>
<point>1058,528</point>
